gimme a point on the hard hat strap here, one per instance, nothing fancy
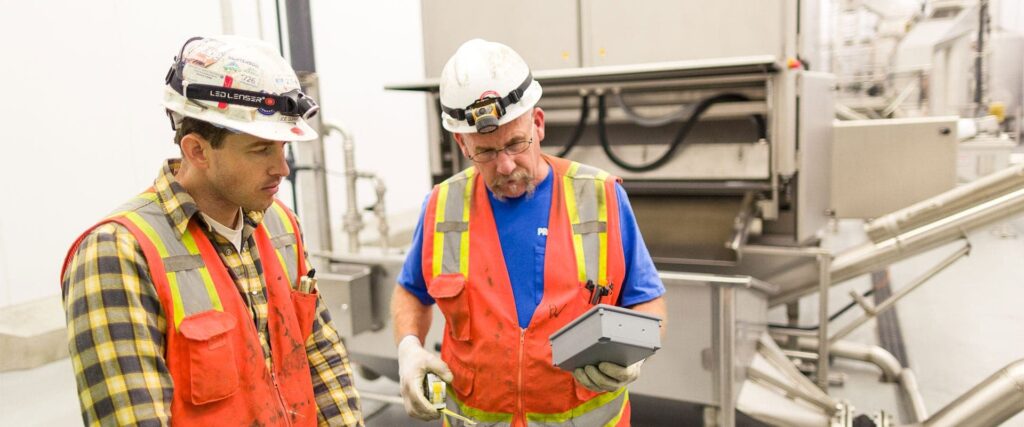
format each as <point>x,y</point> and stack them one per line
<point>513,97</point>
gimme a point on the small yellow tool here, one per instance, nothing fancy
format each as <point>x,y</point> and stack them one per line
<point>436,391</point>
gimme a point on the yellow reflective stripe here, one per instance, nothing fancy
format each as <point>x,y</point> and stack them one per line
<point>615,421</point>
<point>467,199</point>
<point>189,241</point>
<point>590,405</point>
<point>284,268</point>
<point>477,414</point>
<point>179,307</point>
<point>287,223</point>
<point>172,279</point>
<point>136,219</point>
<point>602,237</point>
<point>442,198</point>
<point>285,219</point>
<point>574,218</point>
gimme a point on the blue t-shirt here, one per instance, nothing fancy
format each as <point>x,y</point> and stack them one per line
<point>522,228</point>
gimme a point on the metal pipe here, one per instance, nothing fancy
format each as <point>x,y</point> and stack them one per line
<point>353,222</point>
<point>868,257</point>
<point>774,355</point>
<point>992,185</point>
<point>872,312</point>
<point>908,381</point>
<point>979,59</point>
<point>313,208</point>
<point>824,279</point>
<point>989,403</point>
<point>757,374</point>
<point>885,361</point>
<point>873,354</point>
<point>381,397</point>
<point>379,210</point>
<point>726,338</point>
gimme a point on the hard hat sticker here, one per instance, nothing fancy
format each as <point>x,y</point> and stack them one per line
<point>203,75</point>
<point>204,54</point>
<point>285,83</point>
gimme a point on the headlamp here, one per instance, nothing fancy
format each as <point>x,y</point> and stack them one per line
<point>485,112</point>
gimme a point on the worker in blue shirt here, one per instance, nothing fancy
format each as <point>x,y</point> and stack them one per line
<point>539,213</point>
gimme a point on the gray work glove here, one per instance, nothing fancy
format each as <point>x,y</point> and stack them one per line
<point>413,364</point>
<point>607,376</point>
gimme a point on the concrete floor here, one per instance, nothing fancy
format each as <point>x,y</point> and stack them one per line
<point>959,328</point>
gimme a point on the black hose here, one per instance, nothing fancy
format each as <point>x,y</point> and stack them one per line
<point>680,135</point>
<point>578,131</point>
<point>834,316</point>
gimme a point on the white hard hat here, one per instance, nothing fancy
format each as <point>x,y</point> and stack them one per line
<point>241,84</point>
<point>485,85</point>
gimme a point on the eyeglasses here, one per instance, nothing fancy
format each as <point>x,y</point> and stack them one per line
<point>511,149</point>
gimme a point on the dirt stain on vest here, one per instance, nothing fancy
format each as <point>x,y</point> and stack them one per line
<point>554,311</point>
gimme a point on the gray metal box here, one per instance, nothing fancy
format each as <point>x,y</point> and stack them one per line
<point>346,290</point>
<point>879,166</point>
<point>606,333</point>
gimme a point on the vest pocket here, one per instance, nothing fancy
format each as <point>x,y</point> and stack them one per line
<point>448,291</point>
<point>305,312</point>
<point>462,376</point>
<point>214,370</point>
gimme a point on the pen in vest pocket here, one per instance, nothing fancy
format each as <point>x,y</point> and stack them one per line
<point>307,283</point>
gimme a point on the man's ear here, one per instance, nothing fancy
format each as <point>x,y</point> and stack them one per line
<point>195,149</point>
<point>462,144</point>
<point>538,123</point>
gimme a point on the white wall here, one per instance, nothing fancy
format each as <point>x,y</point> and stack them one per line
<point>84,129</point>
<point>360,46</point>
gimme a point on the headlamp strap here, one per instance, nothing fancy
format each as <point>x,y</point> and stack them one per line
<point>283,104</point>
<point>513,97</point>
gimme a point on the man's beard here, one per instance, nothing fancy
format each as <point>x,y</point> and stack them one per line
<point>519,176</point>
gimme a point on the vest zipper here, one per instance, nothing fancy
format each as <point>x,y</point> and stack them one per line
<point>280,399</point>
<point>519,389</point>
<point>273,380</point>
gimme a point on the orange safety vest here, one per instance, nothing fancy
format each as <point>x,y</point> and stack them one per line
<point>503,374</point>
<point>212,349</point>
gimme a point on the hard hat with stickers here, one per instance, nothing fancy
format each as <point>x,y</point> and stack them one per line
<point>241,84</point>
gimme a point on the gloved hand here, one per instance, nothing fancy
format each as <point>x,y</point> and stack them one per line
<point>607,376</point>
<point>413,364</point>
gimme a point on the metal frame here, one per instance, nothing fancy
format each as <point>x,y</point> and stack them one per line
<point>824,260</point>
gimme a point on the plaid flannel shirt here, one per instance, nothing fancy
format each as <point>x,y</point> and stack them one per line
<point>116,323</point>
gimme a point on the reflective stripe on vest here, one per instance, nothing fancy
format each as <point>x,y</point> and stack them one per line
<point>282,234</point>
<point>603,410</point>
<point>192,288</point>
<point>451,228</point>
<point>588,214</point>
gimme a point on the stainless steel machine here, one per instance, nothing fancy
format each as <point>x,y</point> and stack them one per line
<point>723,137</point>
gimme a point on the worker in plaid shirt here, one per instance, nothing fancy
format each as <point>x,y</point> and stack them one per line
<point>183,304</point>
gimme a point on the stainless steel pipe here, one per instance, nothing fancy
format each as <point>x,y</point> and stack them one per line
<point>871,256</point>
<point>929,210</point>
<point>891,369</point>
<point>989,403</point>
